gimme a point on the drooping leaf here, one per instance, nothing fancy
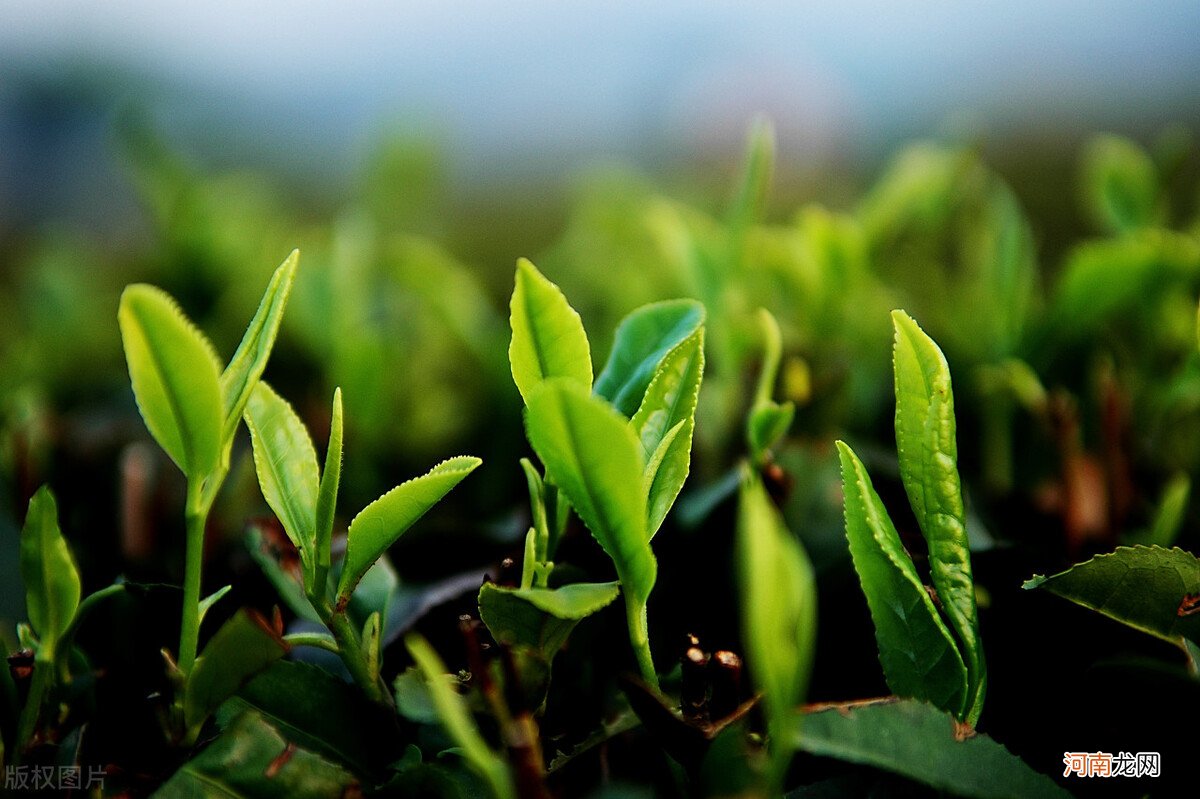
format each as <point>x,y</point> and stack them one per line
<point>1152,589</point>
<point>916,650</point>
<point>48,571</point>
<point>594,458</point>
<point>452,711</point>
<point>548,339</point>
<point>928,453</point>
<point>317,711</point>
<point>174,373</point>
<point>918,741</point>
<point>670,402</point>
<point>248,361</point>
<point>327,491</point>
<point>378,525</point>
<point>244,646</point>
<point>642,340</point>
<point>541,618</point>
<point>252,758</point>
<point>286,464</point>
<point>779,620</point>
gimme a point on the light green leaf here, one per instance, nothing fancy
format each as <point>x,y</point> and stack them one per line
<point>548,339</point>
<point>207,603</point>
<point>174,373</point>
<point>247,364</point>
<point>594,458</point>
<point>244,646</point>
<point>916,650</point>
<point>286,464</point>
<point>766,425</point>
<point>642,341</point>
<point>928,452</point>
<point>669,403</point>
<point>327,492</point>
<point>452,711</point>
<point>48,571</point>
<point>779,619</point>
<point>252,759</point>
<point>541,618</point>
<point>1120,184</point>
<point>537,509</point>
<point>918,741</point>
<point>378,525</point>
<point>1151,589</point>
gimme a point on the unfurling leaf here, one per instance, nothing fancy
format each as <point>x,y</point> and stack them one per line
<point>548,339</point>
<point>175,377</point>
<point>48,570</point>
<point>642,340</point>
<point>378,525</point>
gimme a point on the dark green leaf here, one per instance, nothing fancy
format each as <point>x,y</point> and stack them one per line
<point>916,650</point>
<point>642,340</point>
<point>918,741</point>
<point>1149,588</point>
<point>243,647</point>
<point>48,570</point>
<point>378,525</point>
<point>928,452</point>
<point>247,364</point>
<point>779,615</point>
<point>287,582</point>
<point>175,379</point>
<point>594,458</point>
<point>548,339</point>
<point>670,403</point>
<point>286,464</point>
<point>541,618</point>
<point>252,759</point>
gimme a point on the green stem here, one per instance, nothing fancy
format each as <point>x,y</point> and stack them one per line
<point>318,640</point>
<point>189,630</point>
<point>43,671</point>
<point>639,637</point>
<point>350,649</point>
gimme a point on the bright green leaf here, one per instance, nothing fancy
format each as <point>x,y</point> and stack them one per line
<point>541,618</point>
<point>594,458</point>
<point>247,364</point>
<point>1148,588</point>
<point>174,373</point>
<point>286,464</point>
<point>327,492</point>
<point>48,570</point>
<point>243,647</point>
<point>378,525</point>
<point>917,651</point>
<point>548,339</point>
<point>452,711</point>
<point>642,341</point>
<point>928,452</point>
<point>918,741</point>
<point>779,615</point>
<point>670,402</point>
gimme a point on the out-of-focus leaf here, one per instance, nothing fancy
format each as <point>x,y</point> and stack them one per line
<point>928,451</point>
<point>1152,589</point>
<point>378,525</point>
<point>243,647</point>
<point>286,464</point>
<point>541,618</point>
<point>1120,184</point>
<point>917,651</point>
<point>452,711</point>
<point>247,364</point>
<point>642,340</point>
<point>175,377</point>
<point>594,458</point>
<point>1171,508</point>
<point>768,420</point>
<point>670,401</point>
<point>252,759</point>
<point>48,571</point>
<point>779,603</point>
<point>288,584</point>
<point>918,741</point>
<point>548,339</point>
